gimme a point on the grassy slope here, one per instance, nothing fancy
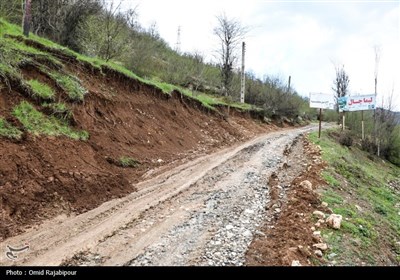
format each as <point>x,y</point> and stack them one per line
<point>208,101</point>
<point>14,53</point>
<point>359,189</point>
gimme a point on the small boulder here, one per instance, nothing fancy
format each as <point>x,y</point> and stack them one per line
<point>324,204</point>
<point>318,253</point>
<point>321,246</point>
<point>306,185</point>
<point>319,214</point>
<point>317,233</point>
<point>334,221</point>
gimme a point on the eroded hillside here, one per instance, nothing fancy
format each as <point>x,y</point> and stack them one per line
<point>76,132</point>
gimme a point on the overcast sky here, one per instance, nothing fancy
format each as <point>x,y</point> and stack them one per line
<point>303,39</point>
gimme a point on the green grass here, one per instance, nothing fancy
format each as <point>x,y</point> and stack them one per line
<point>70,85</point>
<point>330,179</point>
<point>353,178</point>
<point>128,162</point>
<point>332,198</point>
<point>41,90</point>
<point>39,124</point>
<point>9,131</point>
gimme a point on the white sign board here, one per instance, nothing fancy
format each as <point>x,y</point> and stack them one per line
<point>322,101</point>
<point>357,103</point>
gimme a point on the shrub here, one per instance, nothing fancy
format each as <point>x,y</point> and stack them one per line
<point>368,146</point>
<point>346,139</point>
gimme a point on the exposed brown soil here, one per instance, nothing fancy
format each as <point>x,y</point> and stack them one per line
<point>41,177</point>
<point>289,237</point>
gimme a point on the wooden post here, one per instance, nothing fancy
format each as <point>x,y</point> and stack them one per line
<point>343,121</point>
<point>362,126</point>
<point>320,120</point>
<point>290,80</point>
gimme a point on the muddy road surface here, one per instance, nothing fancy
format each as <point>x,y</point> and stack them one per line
<point>205,212</point>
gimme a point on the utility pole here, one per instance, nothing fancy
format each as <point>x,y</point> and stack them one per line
<point>290,79</point>
<point>243,78</point>
<point>26,21</point>
<point>376,130</point>
<point>178,41</point>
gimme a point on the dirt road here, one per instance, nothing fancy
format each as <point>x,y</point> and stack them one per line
<point>204,212</point>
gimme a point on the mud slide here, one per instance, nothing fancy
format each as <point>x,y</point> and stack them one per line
<point>204,212</point>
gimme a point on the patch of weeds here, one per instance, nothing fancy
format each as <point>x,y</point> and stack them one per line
<point>349,227</point>
<point>347,211</point>
<point>69,85</point>
<point>9,131</point>
<point>380,209</point>
<point>38,123</point>
<point>128,162</point>
<point>361,229</point>
<point>330,179</point>
<point>383,193</point>
<point>332,198</point>
<point>124,161</point>
<point>41,90</point>
<point>365,228</point>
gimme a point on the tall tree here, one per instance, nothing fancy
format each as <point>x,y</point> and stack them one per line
<point>26,22</point>
<point>230,33</point>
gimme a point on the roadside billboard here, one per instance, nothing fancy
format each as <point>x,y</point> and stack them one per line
<point>322,101</point>
<point>357,103</point>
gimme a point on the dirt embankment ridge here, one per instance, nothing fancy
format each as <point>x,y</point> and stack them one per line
<point>42,176</point>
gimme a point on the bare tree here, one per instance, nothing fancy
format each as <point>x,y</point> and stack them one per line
<point>341,83</point>
<point>26,22</point>
<point>230,33</point>
<point>131,18</point>
<point>153,30</point>
<point>105,34</point>
<point>114,24</point>
<point>340,87</point>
